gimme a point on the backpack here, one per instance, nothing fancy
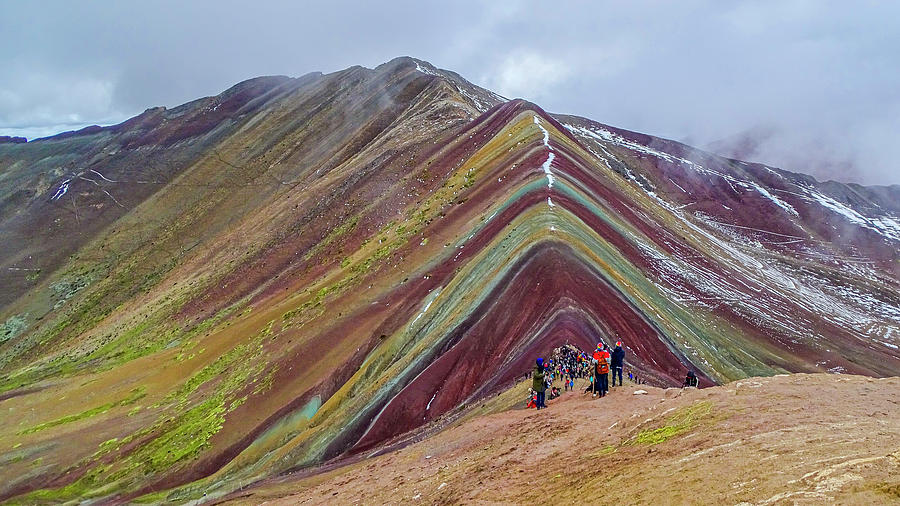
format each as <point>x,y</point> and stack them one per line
<point>602,367</point>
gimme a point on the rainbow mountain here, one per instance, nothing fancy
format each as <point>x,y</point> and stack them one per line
<point>304,271</point>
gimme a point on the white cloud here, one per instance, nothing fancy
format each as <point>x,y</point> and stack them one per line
<point>34,104</point>
<point>824,73</point>
<point>528,75</point>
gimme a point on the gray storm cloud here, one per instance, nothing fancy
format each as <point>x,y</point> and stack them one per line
<point>808,86</point>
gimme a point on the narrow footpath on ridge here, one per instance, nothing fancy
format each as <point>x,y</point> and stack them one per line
<point>753,441</point>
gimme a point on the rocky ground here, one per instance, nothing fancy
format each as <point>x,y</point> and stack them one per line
<point>797,439</point>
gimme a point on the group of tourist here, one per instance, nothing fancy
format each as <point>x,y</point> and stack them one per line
<point>568,364</point>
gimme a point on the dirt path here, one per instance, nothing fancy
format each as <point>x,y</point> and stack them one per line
<point>799,439</point>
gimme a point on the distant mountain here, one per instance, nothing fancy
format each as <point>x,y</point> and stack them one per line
<point>303,269</point>
<point>745,145</point>
<point>769,143</point>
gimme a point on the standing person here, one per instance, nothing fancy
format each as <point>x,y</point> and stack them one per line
<point>691,380</point>
<point>537,383</point>
<point>603,370</point>
<point>595,370</point>
<point>618,361</point>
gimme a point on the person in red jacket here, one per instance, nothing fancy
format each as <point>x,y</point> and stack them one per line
<point>602,370</point>
<point>595,370</point>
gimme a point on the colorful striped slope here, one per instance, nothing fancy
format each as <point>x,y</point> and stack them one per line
<point>300,271</point>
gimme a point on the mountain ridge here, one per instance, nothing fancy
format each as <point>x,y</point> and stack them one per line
<point>431,70</point>
<point>310,269</point>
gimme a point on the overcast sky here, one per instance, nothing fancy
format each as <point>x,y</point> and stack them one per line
<point>810,86</point>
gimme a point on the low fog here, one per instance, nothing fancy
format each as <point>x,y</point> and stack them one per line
<point>808,86</point>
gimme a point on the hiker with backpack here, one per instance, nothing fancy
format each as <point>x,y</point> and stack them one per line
<point>600,364</point>
<point>618,361</point>
<point>601,370</point>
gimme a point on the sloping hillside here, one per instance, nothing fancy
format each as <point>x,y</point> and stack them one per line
<point>754,441</point>
<point>298,270</point>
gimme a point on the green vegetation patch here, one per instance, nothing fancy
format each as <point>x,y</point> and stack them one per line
<point>149,336</point>
<point>135,395</point>
<point>13,326</point>
<point>336,233</point>
<point>189,433</point>
<point>225,368</point>
<point>606,450</point>
<point>470,178</point>
<point>681,421</point>
<point>67,287</point>
<point>188,419</point>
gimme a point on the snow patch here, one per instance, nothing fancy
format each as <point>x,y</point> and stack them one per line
<point>778,202</point>
<point>431,299</point>
<point>604,135</point>
<point>482,107</point>
<point>103,177</point>
<point>63,188</point>
<point>546,169</point>
<point>678,185</point>
<point>426,70</point>
<point>886,226</point>
<point>550,157</point>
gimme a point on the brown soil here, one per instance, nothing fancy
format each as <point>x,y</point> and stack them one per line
<point>798,439</point>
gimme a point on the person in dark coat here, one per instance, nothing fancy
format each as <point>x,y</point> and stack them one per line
<point>618,361</point>
<point>537,382</point>
<point>691,380</point>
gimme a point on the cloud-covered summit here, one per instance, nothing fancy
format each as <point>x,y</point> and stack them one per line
<point>822,76</point>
